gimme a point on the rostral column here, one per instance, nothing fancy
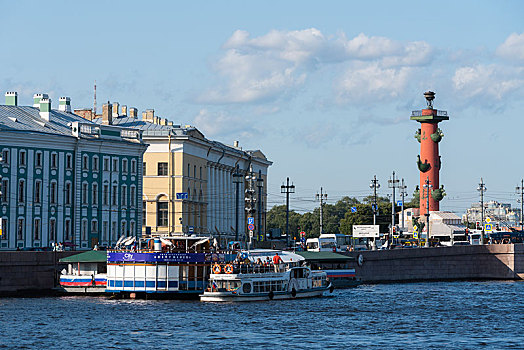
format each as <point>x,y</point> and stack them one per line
<point>429,162</point>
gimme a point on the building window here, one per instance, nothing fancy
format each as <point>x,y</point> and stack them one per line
<point>21,191</point>
<point>52,229</point>
<point>67,229</point>
<point>144,167</point>
<point>22,158</point>
<point>69,161</point>
<point>144,212</point>
<point>52,193</point>
<point>68,193</point>
<point>189,170</point>
<point>123,228</point>
<point>114,231</point>
<point>94,226</point>
<point>94,199</point>
<point>105,228</point>
<point>132,196</point>
<point>5,156</point>
<point>85,191</point>
<point>95,163</point>
<point>106,164</point>
<point>162,169</point>
<point>38,191</point>
<point>123,196</point>
<point>53,161</point>
<point>200,173</point>
<point>115,165</point>
<point>84,229</point>
<point>5,191</point>
<point>133,166</point>
<point>194,171</point>
<point>36,229</point>
<point>113,196</point>
<point>106,195</point>
<point>38,159</point>
<point>4,229</point>
<point>132,228</point>
<point>161,213</point>
<point>124,166</point>
<point>85,162</point>
<point>20,229</point>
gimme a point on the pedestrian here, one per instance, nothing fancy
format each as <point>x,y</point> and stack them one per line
<point>277,260</point>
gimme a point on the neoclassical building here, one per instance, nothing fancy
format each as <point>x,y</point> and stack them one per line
<point>66,179</point>
<point>188,180</point>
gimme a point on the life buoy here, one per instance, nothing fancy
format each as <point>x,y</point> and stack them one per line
<point>217,269</point>
<point>360,260</point>
<point>228,269</point>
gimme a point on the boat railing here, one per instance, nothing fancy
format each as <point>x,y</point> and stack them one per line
<point>239,268</point>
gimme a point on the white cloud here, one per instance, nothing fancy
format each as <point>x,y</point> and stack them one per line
<point>487,83</point>
<point>372,82</point>
<point>513,47</point>
<point>273,66</point>
<point>213,124</point>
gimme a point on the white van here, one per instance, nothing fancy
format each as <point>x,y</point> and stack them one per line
<point>321,244</point>
<point>474,238</point>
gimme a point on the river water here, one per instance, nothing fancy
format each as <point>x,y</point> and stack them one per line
<point>444,315</point>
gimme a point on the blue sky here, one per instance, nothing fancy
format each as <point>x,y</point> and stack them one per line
<point>324,89</point>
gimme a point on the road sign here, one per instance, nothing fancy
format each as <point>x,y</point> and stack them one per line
<point>399,203</point>
<point>250,227</point>
<point>353,209</point>
<point>191,229</point>
<point>181,195</point>
<point>250,220</point>
<point>415,228</point>
<point>250,233</point>
<point>302,233</point>
<point>488,227</point>
<point>488,220</point>
<point>415,234</point>
<point>365,231</point>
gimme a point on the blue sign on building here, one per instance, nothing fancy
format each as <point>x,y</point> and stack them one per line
<point>155,257</point>
<point>181,195</point>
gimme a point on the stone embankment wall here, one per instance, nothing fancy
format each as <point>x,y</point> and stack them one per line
<point>23,273</point>
<point>497,261</point>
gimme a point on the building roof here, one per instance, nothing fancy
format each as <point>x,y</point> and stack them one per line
<point>91,256</point>
<point>26,118</point>
<point>445,215</point>
<point>324,256</point>
<point>150,129</point>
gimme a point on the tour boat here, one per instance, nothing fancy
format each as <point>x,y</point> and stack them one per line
<point>167,267</point>
<point>253,278</point>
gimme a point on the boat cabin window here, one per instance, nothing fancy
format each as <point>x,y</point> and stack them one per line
<point>267,286</point>
<point>223,286</point>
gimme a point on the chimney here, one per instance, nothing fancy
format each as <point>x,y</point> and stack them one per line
<point>45,108</point>
<point>11,98</point>
<point>37,98</point>
<point>107,115</point>
<point>115,110</point>
<point>64,104</point>
<point>133,112</point>
<point>124,110</point>
<point>150,115</point>
<point>235,144</point>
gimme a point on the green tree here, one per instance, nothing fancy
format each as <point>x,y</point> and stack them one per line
<point>276,218</point>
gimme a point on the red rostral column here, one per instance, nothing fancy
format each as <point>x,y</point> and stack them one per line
<point>429,163</point>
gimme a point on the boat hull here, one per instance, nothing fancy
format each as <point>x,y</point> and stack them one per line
<point>229,297</point>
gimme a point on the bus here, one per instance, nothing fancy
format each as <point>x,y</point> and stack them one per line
<point>329,242</point>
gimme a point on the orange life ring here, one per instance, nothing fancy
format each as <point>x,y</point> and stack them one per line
<point>217,269</point>
<point>228,268</point>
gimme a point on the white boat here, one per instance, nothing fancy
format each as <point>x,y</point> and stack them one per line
<point>249,281</point>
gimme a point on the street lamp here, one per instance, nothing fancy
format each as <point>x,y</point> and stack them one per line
<point>374,185</point>
<point>482,188</point>
<point>237,180</point>
<point>520,190</point>
<point>287,189</point>
<point>426,188</point>
<point>393,183</point>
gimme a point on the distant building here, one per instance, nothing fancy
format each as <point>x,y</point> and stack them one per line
<point>188,179</point>
<point>501,214</point>
<point>66,179</point>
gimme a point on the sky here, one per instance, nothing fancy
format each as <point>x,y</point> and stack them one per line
<point>324,88</point>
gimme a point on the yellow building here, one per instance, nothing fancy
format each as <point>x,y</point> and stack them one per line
<point>188,185</point>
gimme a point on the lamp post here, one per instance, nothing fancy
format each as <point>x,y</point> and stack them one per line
<point>287,189</point>
<point>393,183</point>
<point>427,189</point>
<point>237,180</point>
<point>260,185</point>
<point>403,194</point>
<point>520,190</point>
<point>482,188</point>
<point>374,185</point>
<point>321,197</point>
